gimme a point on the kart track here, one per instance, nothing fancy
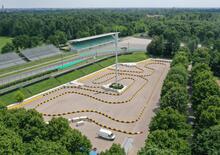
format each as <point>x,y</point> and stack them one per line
<point>127,114</point>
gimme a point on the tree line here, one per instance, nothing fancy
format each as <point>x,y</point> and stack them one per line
<point>169,131</point>
<point>206,105</point>
<point>190,27</point>
<point>167,41</point>
<point>30,29</point>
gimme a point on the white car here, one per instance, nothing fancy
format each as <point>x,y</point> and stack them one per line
<point>106,134</point>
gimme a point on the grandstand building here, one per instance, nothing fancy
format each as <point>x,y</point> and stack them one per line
<point>93,41</point>
<point>41,52</point>
<point>10,59</point>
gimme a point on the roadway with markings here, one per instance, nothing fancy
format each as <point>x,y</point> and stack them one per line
<point>131,43</point>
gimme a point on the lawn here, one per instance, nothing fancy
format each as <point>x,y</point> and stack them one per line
<point>70,76</point>
<point>91,68</point>
<point>133,57</point>
<point>42,86</point>
<point>4,41</point>
<point>54,82</point>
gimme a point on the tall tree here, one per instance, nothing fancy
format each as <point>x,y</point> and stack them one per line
<point>169,118</point>
<point>156,46</point>
<point>165,141</point>
<point>176,98</point>
<point>201,55</point>
<point>208,142</point>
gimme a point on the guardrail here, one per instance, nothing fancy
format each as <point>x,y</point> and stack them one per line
<point>60,73</point>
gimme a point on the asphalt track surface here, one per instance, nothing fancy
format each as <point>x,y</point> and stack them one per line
<point>128,114</point>
<point>129,42</point>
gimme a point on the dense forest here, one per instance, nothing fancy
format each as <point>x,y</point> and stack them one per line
<point>31,28</point>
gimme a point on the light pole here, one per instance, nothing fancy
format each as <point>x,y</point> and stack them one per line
<point>116,57</point>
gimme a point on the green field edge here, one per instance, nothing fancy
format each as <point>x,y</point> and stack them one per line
<point>54,82</point>
<point>4,41</point>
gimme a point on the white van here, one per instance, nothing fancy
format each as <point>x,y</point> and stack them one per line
<point>106,134</point>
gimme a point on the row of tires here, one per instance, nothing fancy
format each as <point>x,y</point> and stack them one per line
<point>154,62</point>
<point>103,92</point>
<point>94,121</point>
<point>138,68</point>
<point>114,129</point>
<point>87,95</point>
<point>97,112</point>
<point>121,72</point>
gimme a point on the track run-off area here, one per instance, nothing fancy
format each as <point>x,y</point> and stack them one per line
<point>127,114</point>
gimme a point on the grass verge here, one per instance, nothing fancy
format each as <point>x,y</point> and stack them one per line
<point>4,41</point>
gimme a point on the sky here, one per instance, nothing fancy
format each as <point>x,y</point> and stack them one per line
<point>108,3</point>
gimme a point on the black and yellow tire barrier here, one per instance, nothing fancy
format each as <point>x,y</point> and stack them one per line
<point>114,129</point>
<point>120,73</point>
<point>146,66</point>
<point>129,71</point>
<point>97,112</point>
<point>101,100</point>
<point>103,114</point>
<point>53,91</point>
<point>96,98</point>
<point>103,92</point>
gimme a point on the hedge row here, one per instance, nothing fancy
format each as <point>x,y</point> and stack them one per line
<point>26,79</point>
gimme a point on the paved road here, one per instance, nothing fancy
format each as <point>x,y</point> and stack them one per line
<point>133,44</point>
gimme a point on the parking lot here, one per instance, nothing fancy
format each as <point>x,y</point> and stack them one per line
<point>127,114</point>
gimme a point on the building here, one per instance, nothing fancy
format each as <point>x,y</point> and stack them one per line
<point>93,41</point>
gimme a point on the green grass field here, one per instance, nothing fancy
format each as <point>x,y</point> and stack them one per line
<point>4,41</point>
<point>54,82</point>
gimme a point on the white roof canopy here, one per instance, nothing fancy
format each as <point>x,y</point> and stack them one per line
<point>93,37</point>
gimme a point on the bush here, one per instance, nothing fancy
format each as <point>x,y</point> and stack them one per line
<point>19,96</point>
<point>116,86</point>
